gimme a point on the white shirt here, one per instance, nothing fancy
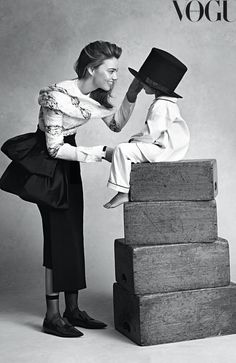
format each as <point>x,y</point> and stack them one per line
<point>165,127</point>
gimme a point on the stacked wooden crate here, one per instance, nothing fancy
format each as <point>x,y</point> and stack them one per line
<point>172,269</point>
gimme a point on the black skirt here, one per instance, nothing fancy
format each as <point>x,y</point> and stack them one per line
<point>55,186</point>
<point>63,237</point>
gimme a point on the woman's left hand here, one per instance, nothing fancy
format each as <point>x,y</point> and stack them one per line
<point>134,89</point>
<point>109,153</point>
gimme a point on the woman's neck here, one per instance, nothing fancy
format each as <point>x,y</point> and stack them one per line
<point>85,85</point>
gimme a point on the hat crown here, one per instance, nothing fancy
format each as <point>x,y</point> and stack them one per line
<point>161,70</point>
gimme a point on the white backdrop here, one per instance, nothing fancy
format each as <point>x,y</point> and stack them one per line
<point>40,41</point>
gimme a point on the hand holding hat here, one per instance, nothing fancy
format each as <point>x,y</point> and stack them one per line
<point>134,89</point>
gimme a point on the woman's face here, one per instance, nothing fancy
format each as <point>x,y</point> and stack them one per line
<point>105,75</point>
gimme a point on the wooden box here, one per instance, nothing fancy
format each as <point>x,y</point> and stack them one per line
<point>162,268</point>
<point>175,316</point>
<point>170,222</point>
<point>179,180</point>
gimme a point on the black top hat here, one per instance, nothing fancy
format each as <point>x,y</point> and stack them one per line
<point>161,71</point>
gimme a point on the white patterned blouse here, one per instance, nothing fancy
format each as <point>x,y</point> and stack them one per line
<point>64,108</point>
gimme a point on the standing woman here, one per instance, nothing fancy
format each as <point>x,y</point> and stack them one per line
<point>46,170</point>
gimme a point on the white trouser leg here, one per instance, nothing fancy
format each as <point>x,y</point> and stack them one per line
<point>124,154</point>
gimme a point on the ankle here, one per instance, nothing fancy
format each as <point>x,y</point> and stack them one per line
<point>52,301</point>
<point>50,316</point>
<point>70,309</point>
<point>71,300</point>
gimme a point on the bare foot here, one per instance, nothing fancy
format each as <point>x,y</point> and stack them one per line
<point>118,199</point>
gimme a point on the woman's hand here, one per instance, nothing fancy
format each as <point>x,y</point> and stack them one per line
<point>134,89</point>
<point>109,153</point>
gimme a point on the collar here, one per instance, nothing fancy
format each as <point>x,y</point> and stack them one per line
<point>167,98</point>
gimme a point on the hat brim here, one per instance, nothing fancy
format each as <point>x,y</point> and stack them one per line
<point>136,75</point>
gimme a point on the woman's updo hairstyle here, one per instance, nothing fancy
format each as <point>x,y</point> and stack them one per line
<point>93,55</point>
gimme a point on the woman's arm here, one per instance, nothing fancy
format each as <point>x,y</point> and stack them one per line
<point>55,141</point>
<point>117,121</point>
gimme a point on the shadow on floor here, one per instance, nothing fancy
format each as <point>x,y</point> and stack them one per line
<point>32,302</point>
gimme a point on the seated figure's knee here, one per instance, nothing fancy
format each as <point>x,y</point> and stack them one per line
<point>121,149</point>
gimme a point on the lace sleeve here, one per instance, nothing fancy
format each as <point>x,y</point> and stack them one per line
<point>58,149</point>
<point>53,131</point>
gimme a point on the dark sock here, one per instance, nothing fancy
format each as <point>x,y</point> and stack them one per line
<point>52,302</point>
<point>71,300</point>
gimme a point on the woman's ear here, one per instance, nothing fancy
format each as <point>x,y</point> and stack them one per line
<point>90,71</point>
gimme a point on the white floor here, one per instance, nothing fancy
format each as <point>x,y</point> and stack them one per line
<point>21,339</point>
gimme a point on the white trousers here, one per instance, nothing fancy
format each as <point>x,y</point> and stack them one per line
<point>124,154</point>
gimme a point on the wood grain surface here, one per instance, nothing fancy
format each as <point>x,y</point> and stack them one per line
<point>170,222</point>
<point>179,180</point>
<point>161,268</point>
<point>175,316</point>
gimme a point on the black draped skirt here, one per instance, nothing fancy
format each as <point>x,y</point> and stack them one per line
<point>55,186</point>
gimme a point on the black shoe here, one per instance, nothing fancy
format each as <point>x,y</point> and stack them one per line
<point>82,319</point>
<point>60,327</point>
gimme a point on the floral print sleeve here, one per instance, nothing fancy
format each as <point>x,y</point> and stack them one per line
<point>62,112</point>
<point>53,131</point>
<point>61,102</point>
<point>58,149</point>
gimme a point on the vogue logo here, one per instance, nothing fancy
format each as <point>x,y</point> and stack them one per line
<point>213,10</point>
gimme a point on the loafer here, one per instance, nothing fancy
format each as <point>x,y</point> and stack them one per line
<point>82,319</point>
<point>60,327</point>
